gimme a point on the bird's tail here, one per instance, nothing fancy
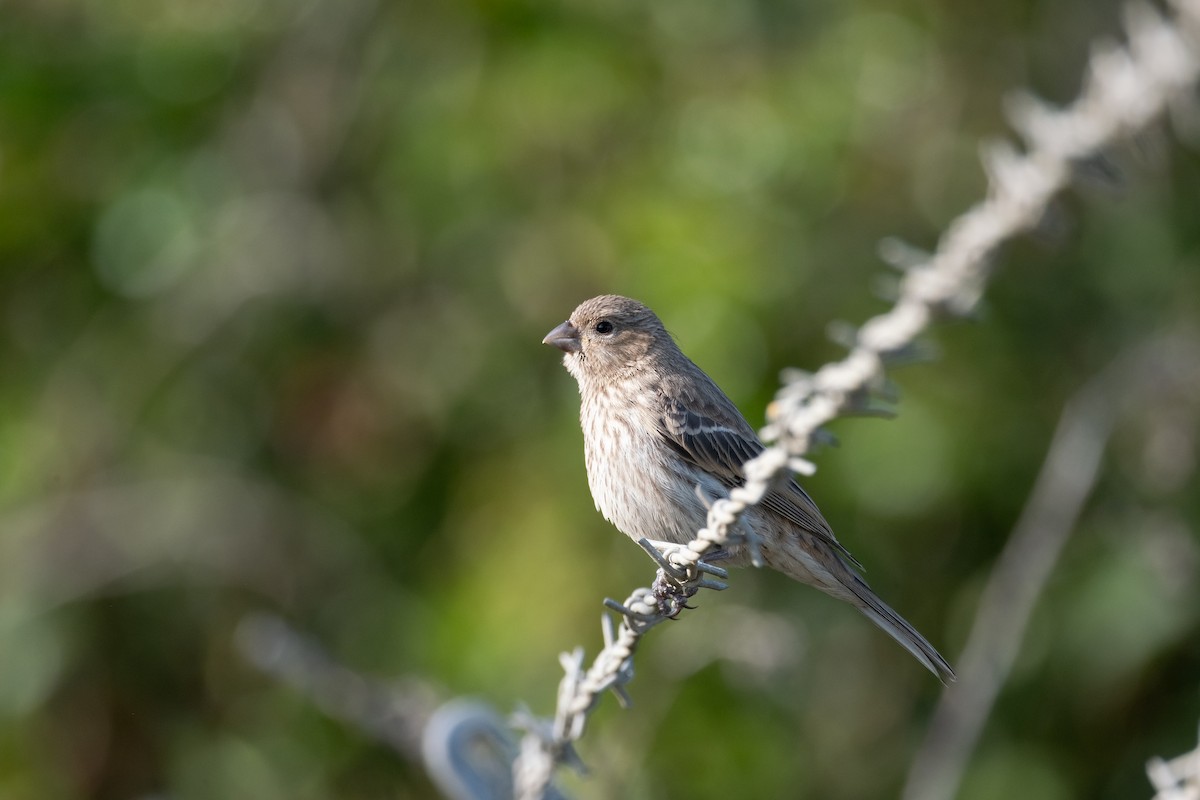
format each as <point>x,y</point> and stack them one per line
<point>899,629</point>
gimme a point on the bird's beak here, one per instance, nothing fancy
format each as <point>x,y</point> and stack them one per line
<point>565,337</point>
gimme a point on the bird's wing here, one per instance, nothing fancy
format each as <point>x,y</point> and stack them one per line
<point>718,440</point>
<point>715,447</point>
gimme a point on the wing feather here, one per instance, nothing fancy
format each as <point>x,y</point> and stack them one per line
<point>718,440</point>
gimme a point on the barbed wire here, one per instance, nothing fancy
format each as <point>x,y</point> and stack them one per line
<point>1177,779</point>
<point>1126,89</point>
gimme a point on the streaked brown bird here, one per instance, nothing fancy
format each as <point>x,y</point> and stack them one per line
<point>655,428</point>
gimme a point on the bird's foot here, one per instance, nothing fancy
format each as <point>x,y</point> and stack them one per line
<point>670,595</point>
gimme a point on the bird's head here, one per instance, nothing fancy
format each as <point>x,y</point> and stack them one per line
<point>607,337</point>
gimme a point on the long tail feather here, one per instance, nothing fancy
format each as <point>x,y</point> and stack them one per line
<point>899,629</point>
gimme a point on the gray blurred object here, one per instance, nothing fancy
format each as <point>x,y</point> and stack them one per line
<point>469,750</point>
<point>1158,381</point>
<point>1177,779</point>
<point>391,712</point>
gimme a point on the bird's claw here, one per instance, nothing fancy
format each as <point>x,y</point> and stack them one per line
<point>670,595</point>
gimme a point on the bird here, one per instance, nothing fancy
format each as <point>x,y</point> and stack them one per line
<point>662,441</point>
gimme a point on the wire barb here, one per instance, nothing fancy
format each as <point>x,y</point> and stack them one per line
<point>673,572</point>
<point>626,611</point>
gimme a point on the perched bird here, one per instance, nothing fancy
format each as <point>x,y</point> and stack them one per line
<point>655,428</point>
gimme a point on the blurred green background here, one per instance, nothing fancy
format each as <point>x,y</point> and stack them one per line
<point>273,279</point>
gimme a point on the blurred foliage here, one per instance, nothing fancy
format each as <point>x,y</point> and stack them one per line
<point>273,277</point>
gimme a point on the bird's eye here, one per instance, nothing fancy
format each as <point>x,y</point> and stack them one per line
<point>604,326</point>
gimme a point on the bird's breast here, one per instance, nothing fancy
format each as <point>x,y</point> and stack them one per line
<point>637,481</point>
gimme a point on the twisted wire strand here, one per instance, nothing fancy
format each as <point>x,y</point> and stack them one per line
<point>1177,779</point>
<point>1125,91</point>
